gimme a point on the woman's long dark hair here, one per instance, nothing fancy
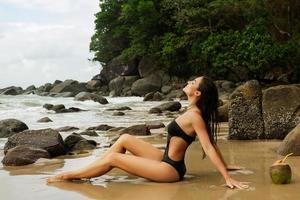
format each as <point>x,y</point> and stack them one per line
<point>208,104</point>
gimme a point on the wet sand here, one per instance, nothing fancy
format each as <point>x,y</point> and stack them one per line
<point>202,180</point>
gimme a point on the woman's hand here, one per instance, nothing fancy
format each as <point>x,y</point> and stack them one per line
<point>231,183</point>
<point>234,167</point>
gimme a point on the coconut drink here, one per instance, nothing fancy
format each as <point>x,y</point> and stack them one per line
<point>281,172</point>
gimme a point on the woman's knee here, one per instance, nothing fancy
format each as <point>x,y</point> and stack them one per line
<point>112,158</point>
<point>125,137</point>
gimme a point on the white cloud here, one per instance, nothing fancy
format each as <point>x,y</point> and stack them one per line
<point>58,6</point>
<point>37,52</point>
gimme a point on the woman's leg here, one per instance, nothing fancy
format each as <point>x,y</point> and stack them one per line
<point>143,167</point>
<point>136,146</point>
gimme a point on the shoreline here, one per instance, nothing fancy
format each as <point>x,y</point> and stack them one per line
<point>202,179</point>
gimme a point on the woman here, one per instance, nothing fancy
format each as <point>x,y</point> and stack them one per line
<point>151,163</point>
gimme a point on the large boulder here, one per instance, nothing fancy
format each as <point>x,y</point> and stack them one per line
<point>148,84</point>
<point>75,142</point>
<point>94,85</point>
<point>30,88</point>
<point>116,85</point>
<point>12,90</point>
<point>245,112</point>
<point>153,96</point>
<point>83,96</point>
<point>116,67</point>
<point>146,66</point>
<point>169,106</point>
<point>145,85</point>
<point>8,127</point>
<point>291,143</point>
<point>101,127</point>
<point>47,139</point>
<point>60,108</point>
<point>69,86</point>
<point>24,155</point>
<point>281,110</point>
<point>141,129</point>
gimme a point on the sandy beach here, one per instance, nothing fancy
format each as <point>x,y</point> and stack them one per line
<point>202,180</point>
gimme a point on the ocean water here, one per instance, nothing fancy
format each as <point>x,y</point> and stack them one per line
<point>29,109</point>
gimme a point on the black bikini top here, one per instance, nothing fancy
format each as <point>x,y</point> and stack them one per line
<point>175,130</point>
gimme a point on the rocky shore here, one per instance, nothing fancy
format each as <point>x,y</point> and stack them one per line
<point>252,110</point>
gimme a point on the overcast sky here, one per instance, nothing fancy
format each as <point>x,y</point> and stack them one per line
<point>45,40</point>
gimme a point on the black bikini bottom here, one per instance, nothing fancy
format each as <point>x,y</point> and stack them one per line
<point>178,165</point>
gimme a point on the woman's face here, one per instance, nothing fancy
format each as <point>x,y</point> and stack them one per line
<point>191,89</point>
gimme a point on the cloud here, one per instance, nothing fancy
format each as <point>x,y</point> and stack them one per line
<point>36,52</point>
<point>57,6</point>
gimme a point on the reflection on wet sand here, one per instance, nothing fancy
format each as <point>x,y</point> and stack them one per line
<point>40,167</point>
<point>202,180</point>
<point>122,190</point>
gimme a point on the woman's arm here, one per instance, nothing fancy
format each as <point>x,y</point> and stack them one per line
<point>220,155</point>
<point>228,167</point>
<point>211,152</point>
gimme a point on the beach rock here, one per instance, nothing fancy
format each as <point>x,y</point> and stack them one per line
<point>84,145</point>
<point>102,127</point>
<point>48,87</point>
<point>48,106</point>
<point>245,112</point>
<point>129,80</point>
<point>169,106</point>
<point>166,89</point>
<point>89,133</point>
<point>56,82</point>
<point>225,86</point>
<point>67,128</point>
<point>23,155</point>
<point>148,84</point>
<point>116,85</point>
<point>117,66</point>
<point>30,90</point>
<point>119,108</point>
<point>141,129</point>
<point>72,140</point>
<point>118,113</point>
<point>44,120</point>
<point>60,108</point>
<point>10,91</point>
<point>115,130</point>
<point>155,111</point>
<point>9,127</point>
<point>69,86</point>
<point>291,143</point>
<point>94,85</point>
<point>83,96</point>
<point>153,96</point>
<point>178,93</point>
<point>146,66</point>
<point>281,110</point>
<point>47,139</point>
<point>155,124</point>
